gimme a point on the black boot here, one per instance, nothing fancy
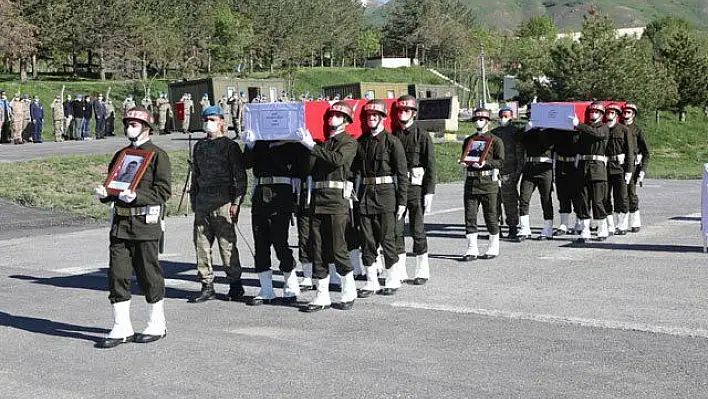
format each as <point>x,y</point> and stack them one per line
<point>206,294</point>
<point>513,233</point>
<point>236,291</point>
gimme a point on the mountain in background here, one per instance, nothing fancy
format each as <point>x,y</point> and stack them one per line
<point>568,14</point>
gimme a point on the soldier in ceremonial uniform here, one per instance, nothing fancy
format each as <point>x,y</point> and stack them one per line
<point>217,190</point>
<point>329,199</point>
<point>567,177</point>
<point>510,136</point>
<point>592,162</point>
<point>641,162</point>
<point>620,168</point>
<point>134,237</point>
<point>383,190</point>
<point>537,173</point>
<point>482,188</point>
<point>276,168</point>
<point>420,159</point>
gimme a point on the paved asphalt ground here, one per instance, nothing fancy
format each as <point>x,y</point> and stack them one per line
<point>624,318</point>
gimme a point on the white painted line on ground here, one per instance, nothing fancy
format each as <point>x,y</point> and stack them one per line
<point>552,319</point>
<point>445,211</point>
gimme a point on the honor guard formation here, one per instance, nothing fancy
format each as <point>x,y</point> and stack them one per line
<point>349,199</point>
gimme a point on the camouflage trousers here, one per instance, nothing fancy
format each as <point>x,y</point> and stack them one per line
<point>185,123</point>
<point>510,198</point>
<point>216,225</point>
<point>59,130</point>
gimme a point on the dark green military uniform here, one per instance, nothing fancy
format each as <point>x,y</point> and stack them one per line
<point>510,173</point>
<point>592,145</point>
<point>218,182</point>
<point>420,159</point>
<point>330,204</point>
<point>482,186</point>
<point>568,176</point>
<point>275,166</point>
<point>136,230</point>
<point>538,170</point>
<point>620,154</point>
<point>381,164</point>
<point>303,210</point>
<point>641,163</point>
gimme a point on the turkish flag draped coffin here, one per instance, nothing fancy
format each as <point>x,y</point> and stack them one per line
<point>559,114</point>
<point>316,123</point>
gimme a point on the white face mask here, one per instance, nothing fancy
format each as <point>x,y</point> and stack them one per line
<point>335,121</point>
<point>480,124</point>
<point>211,127</point>
<point>595,116</point>
<point>133,132</point>
<point>504,121</point>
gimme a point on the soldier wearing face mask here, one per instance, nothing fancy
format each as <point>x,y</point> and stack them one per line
<point>482,188</point>
<point>420,157</point>
<point>537,173</point>
<point>592,162</point>
<point>217,191</point>
<point>620,168</point>
<point>383,191</point>
<point>134,237</point>
<point>511,171</point>
<point>641,162</point>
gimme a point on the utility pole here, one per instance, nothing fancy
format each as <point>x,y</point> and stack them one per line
<point>483,72</point>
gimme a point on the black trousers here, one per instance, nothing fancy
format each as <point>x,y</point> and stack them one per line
<point>327,239</point>
<point>567,187</point>
<point>632,196</point>
<point>303,238</point>
<point>353,233</point>
<point>272,230</point>
<point>127,256</point>
<point>414,210</point>
<point>110,125</point>
<point>544,182</point>
<point>379,230</point>
<point>489,210</point>
<point>617,193</point>
<point>591,197</point>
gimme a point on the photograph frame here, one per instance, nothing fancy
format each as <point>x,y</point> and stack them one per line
<point>113,185</point>
<point>487,140</point>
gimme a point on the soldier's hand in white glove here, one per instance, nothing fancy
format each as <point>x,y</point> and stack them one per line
<point>575,120</point>
<point>479,165</point>
<point>100,192</point>
<point>127,196</point>
<point>428,202</point>
<point>640,178</point>
<point>400,212</point>
<point>306,138</point>
<point>529,126</point>
<point>627,178</point>
<point>249,138</point>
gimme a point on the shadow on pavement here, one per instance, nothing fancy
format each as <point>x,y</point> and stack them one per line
<point>49,327</point>
<point>637,247</point>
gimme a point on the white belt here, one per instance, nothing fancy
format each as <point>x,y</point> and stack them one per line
<point>539,159</point>
<point>139,211</point>
<point>638,159</point>
<point>378,180</point>
<point>474,173</point>
<point>329,184</point>
<point>273,180</point>
<point>619,158</point>
<point>600,158</point>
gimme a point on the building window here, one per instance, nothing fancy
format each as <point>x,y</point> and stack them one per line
<point>390,94</point>
<point>370,95</point>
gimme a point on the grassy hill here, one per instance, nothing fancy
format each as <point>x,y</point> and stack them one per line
<point>568,14</point>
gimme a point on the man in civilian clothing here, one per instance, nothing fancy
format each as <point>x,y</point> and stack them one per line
<point>99,109</point>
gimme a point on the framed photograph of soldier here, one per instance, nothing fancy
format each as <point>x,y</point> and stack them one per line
<point>127,171</point>
<point>476,150</point>
<point>275,121</point>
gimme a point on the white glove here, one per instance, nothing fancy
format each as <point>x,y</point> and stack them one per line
<point>529,126</point>
<point>249,138</point>
<point>640,179</point>
<point>479,165</point>
<point>575,120</point>
<point>127,196</point>
<point>400,212</point>
<point>428,202</point>
<point>306,138</point>
<point>100,192</point>
<point>627,178</point>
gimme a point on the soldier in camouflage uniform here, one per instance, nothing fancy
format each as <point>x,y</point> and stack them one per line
<point>57,109</point>
<point>218,187</point>
<point>128,103</point>
<point>147,104</point>
<point>19,109</point>
<point>510,136</point>
<point>164,111</point>
<point>188,111</point>
<point>204,102</point>
<point>236,110</point>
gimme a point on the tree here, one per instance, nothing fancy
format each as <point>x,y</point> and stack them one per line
<point>368,43</point>
<point>539,26</point>
<point>19,41</point>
